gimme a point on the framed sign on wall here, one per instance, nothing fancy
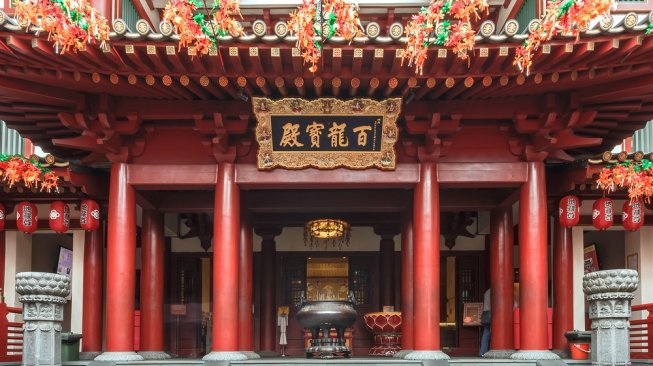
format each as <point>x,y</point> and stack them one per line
<point>326,133</point>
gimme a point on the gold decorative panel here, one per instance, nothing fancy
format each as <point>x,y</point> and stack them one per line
<point>326,133</point>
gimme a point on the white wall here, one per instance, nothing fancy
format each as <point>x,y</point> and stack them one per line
<point>18,258</point>
<point>641,243</point>
<point>77,283</point>
<point>578,256</point>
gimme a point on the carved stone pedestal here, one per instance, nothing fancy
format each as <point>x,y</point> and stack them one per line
<point>609,294</point>
<point>43,296</point>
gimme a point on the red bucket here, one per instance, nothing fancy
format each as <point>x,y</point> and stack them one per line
<point>579,351</point>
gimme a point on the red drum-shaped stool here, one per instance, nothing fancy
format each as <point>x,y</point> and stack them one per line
<point>386,327</point>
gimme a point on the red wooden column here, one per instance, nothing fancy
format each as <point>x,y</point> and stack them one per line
<point>152,286</point>
<point>533,267</point>
<point>226,238</point>
<point>501,283</point>
<point>121,268</point>
<point>92,300</point>
<point>268,296</point>
<point>245,298</point>
<point>407,284</point>
<point>563,289</point>
<point>387,270</point>
<point>426,270</point>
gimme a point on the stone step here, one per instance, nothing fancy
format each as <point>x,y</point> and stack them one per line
<point>278,361</point>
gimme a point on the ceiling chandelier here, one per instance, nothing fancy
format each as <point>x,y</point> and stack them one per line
<point>327,231</point>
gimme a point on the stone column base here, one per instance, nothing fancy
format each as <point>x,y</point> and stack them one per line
<point>119,356</point>
<point>154,355</point>
<point>402,353</point>
<point>562,353</point>
<point>224,356</point>
<point>534,355</point>
<point>266,354</point>
<point>499,353</point>
<point>88,356</point>
<point>251,355</point>
<point>426,355</point>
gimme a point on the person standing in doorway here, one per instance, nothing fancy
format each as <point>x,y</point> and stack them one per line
<point>486,317</point>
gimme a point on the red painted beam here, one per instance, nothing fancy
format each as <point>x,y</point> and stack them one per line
<point>145,176</point>
<point>249,176</point>
<point>43,224</point>
<point>483,174</point>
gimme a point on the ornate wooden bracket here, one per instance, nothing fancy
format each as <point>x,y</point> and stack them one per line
<point>438,134</point>
<point>552,134</point>
<point>102,132</point>
<point>218,136</point>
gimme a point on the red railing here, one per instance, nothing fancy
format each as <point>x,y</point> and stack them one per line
<point>641,335</point>
<point>11,335</point>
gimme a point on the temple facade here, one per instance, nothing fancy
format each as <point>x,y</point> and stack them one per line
<point>209,170</point>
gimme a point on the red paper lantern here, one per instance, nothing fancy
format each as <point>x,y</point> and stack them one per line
<point>602,213</point>
<point>89,215</point>
<point>569,211</point>
<point>633,215</point>
<point>27,217</point>
<point>59,217</point>
<point>2,217</point>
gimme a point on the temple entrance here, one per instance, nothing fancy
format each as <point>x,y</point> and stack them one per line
<point>370,266</point>
<point>188,311</point>
<point>329,276</point>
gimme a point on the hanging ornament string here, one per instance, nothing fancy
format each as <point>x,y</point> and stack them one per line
<point>560,17</point>
<point>446,23</point>
<point>15,169</point>
<point>194,31</point>
<point>317,21</point>
<point>637,177</point>
<point>70,24</point>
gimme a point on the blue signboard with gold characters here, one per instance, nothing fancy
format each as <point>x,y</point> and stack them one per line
<point>326,133</point>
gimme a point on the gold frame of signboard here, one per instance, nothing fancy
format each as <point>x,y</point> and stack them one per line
<point>384,159</point>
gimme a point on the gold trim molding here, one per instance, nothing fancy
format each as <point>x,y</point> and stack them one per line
<point>268,158</point>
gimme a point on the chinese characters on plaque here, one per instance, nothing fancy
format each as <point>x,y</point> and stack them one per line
<point>326,133</point>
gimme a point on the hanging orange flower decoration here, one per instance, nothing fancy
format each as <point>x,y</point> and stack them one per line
<point>197,33</point>
<point>445,23</point>
<point>560,17</point>
<point>70,24</point>
<point>335,18</point>
<point>637,177</point>
<point>15,169</point>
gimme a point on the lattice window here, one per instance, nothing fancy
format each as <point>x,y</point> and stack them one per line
<point>294,286</point>
<point>360,285</point>
<point>467,287</point>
